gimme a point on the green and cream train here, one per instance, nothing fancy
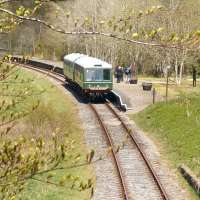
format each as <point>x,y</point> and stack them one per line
<point>92,75</point>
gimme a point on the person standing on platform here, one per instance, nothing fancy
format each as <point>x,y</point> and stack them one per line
<point>194,76</point>
<point>133,70</point>
<point>118,74</point>
<point>121,73</point>
<point>129,74</point>
<point>126,71</point>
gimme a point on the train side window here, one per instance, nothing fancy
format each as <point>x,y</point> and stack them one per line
<point>106,74</point>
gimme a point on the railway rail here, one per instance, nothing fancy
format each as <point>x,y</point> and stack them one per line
<point>118,163</point>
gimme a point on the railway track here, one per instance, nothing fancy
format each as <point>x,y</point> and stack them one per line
<point>148,164</point>
<point>153,189</point>
<point>52,74</point>
<point>156,190</point>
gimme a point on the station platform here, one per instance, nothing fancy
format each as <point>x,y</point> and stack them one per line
<point>133,96</point>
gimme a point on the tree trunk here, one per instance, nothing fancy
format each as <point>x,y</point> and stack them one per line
<point>176,70</point>
<point>181,72</point>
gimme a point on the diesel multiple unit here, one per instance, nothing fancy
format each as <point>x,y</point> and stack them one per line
<point>92,75</point>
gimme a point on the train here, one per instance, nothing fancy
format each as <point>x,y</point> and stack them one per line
<point>93,76</point>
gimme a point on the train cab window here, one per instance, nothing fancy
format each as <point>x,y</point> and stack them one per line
<point>94,75</point>
<point>106,74</point>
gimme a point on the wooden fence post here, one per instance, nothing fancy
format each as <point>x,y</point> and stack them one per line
<point>154,95</point>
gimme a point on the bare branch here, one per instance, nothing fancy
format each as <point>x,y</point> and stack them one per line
<point>9,1</point>
<point>110,35</point>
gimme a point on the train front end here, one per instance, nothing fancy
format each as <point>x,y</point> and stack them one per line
<point>98,79</point>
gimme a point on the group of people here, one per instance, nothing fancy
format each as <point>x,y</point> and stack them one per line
<point>128,72</point>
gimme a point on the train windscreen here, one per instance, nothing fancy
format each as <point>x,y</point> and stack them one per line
<point>97,74</point>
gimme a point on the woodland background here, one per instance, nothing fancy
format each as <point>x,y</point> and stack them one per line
<point>176,18</point>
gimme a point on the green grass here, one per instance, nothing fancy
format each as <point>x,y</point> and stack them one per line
<point>56,111</point>
<point>175,127</point>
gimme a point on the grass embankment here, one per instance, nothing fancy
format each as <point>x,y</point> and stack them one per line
<point>176,127</point>
<point>56,113</point>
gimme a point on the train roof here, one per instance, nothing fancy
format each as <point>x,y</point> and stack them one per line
<point>87,61</point>
<point>73,57</point>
